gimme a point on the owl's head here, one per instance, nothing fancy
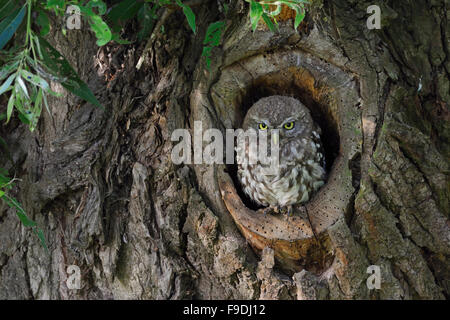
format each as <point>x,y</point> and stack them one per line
<point>287,114</point>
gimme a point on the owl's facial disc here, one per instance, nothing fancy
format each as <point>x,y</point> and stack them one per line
<point>287,114</point>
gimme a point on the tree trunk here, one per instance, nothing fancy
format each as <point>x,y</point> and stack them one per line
<point>110,200</point>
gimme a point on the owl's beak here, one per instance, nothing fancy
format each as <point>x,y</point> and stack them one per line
<point>275,137</point>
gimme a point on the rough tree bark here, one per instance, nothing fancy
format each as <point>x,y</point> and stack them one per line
<point>103,187</point>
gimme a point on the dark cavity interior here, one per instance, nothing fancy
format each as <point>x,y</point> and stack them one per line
<point>280,84</point>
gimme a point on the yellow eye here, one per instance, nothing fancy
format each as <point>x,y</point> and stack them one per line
<point>262,126</point>
<point>289,125</point>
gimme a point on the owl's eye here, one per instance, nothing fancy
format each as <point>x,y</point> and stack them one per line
<point>289,125</point>
<point>262,126</point>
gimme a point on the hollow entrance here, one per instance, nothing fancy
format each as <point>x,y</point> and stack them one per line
<point>300,241</point>
<point>290,83</point>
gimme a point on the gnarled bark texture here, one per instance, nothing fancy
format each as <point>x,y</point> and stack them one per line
<point>104,189</point>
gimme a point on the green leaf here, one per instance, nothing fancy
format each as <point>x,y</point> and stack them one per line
<point>24,219</point>
<point>268,22</point>
<point>206,51</point>
<point>80,89</point>
<point>98,26</point>
<point>35,79</point>
<point>97,4</point>
<point>214,33</point>
<point>10,107</point>
<point>276,12</point>
<point>101,30</point>
<point>27,117</point>
<point>225,8</point>
<point>13,203</point>
<point>207,54</point>
<point>7,69</point>
<point>24,118</point>
<point>41,237</point>
<point>298,6</point>
<point>190,16</point>
<point>38,103</point>
<point>212,39</point>
<point>21,105</point>
<point>3,171</point>
<point>146,19</point>
<point>55,4</point>
<point>43,22</point>
<point>7,8</point>
<point>3,181</point>
<point>46,105</point>
<point>9,26</point>
<point>61,68</point>
<point>300,15</point>
<point>5,86</point>
<point>123,12</point>
<point>256,11</point>
<point>22,86</point>
<point>27,222</point>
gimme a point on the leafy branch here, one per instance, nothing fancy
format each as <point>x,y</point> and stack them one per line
<point>5,185</point>
<point>212,39</point>
<point>30,63</point>
<point>263,9</point>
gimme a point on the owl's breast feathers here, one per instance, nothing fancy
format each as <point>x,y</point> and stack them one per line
<point>300,173</point>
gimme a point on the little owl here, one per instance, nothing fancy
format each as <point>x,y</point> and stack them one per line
<point>301,169</point>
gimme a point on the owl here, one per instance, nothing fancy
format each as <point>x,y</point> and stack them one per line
<point>301,170</point>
